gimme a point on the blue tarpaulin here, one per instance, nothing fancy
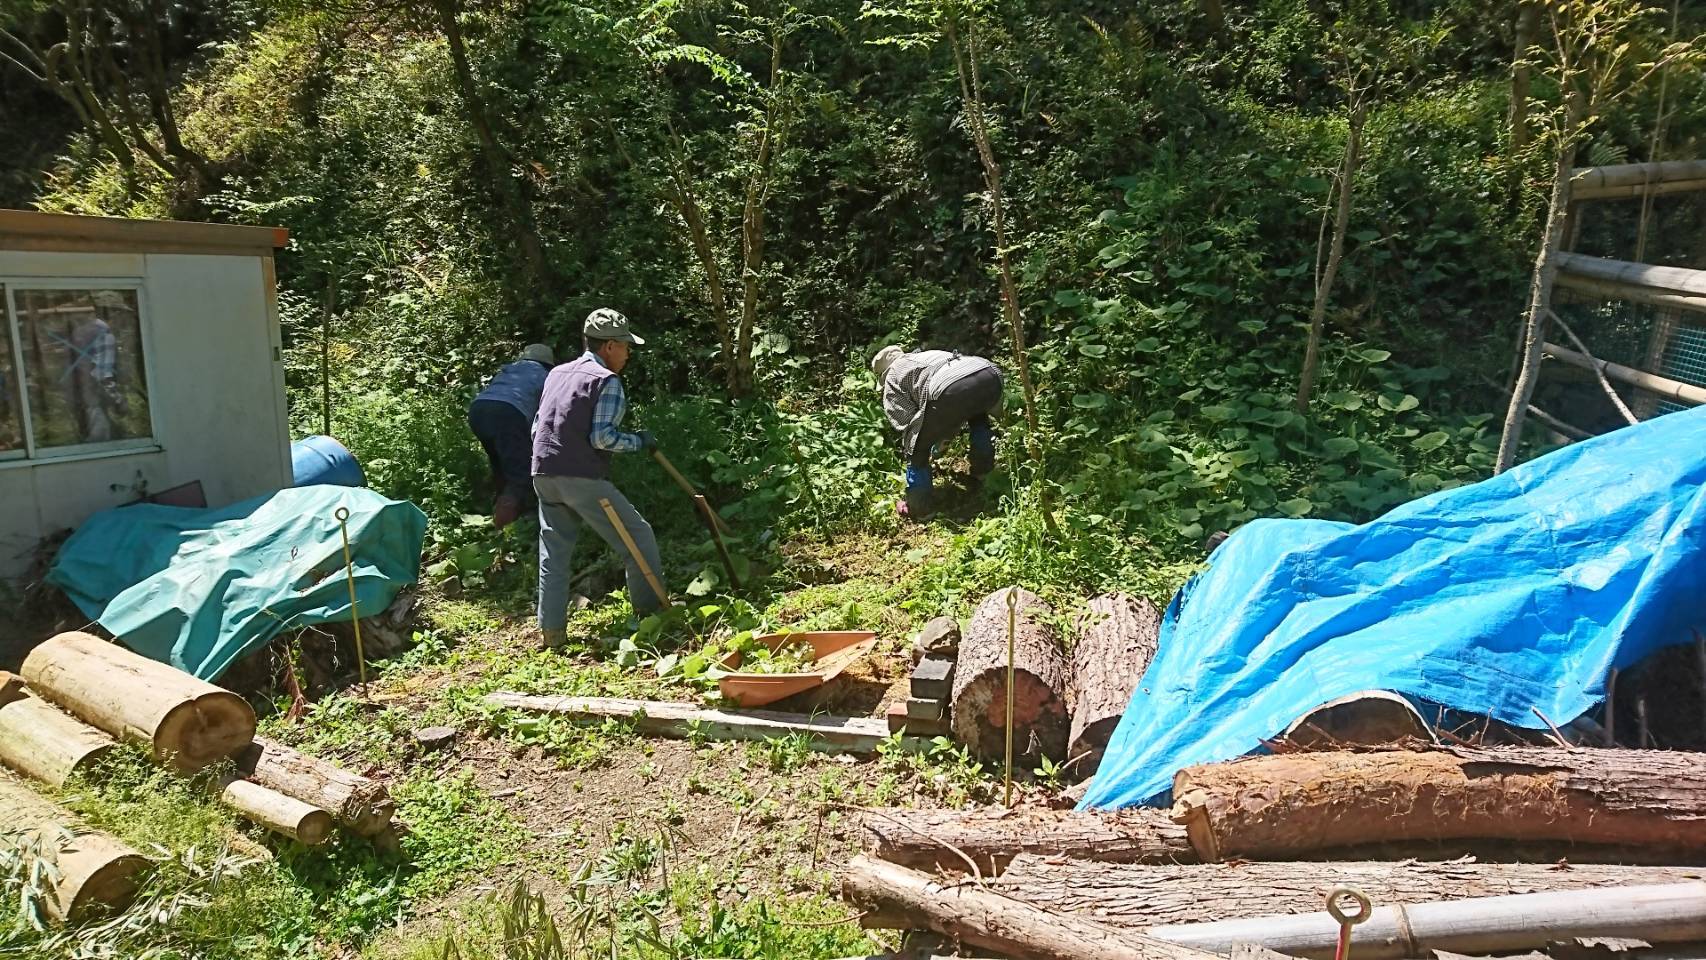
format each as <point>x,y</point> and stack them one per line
<point>1517,592</point>
<point>200,588</point>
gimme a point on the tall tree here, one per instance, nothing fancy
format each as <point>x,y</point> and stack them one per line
<point>959,24</point>
<point>1376,56</point>
<point>111,62</point>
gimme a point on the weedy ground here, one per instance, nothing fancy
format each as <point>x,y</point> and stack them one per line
<point>585,839</point>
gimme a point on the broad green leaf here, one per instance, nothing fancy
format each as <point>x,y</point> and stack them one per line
<point>1371,355</point>
<point>1340,446</point>
<point>1430,441</point>
<point>1295,508</point>
<point>667,663</point>
<point>1218,413</point>
<point>1398,404</point>
<point>1093,349</point>
<point>1090,401</point>
<point>704,583</point>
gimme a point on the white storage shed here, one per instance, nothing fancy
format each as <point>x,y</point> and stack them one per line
<point>136,357</point>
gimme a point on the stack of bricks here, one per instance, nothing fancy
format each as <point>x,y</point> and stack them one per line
<point>925,710</point>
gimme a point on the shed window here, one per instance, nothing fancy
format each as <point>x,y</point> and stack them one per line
<point>73,372</point>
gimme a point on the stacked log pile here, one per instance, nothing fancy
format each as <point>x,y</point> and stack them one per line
<point>79,695</point>
<point>1251,849</point>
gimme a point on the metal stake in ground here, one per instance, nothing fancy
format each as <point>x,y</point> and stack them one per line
<point>342,513</point>
<point>634,551</point>
<point>1347,921</point>
<point>1012,627</point>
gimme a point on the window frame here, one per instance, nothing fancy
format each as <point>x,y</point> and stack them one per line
<point>31,454</point>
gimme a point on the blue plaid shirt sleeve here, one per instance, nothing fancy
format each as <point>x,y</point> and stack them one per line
<point>607,420</point>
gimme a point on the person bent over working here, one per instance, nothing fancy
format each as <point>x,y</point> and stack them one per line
<point>502,419</point>
<point>928,396</point>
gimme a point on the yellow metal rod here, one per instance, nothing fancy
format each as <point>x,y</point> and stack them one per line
<point>1012,627</point>
<point>342,514</point>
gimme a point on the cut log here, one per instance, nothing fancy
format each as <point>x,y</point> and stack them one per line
<point>286,816</point>
<point>1277,807</point>
<point>360,805</point>
<point>984,918</point>
<point>187,722</point>
<point>1117,637</point>
<point>44,743</point>
<point>1371,718</point>
<point>1041,723</point>
<point>929,838</point>
<point>1671,913</point>
<point>1145,895</point>
<point>97,873</point>
<point>836,734</point>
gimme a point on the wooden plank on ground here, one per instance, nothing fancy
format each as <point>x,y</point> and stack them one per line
<point>843,734</point>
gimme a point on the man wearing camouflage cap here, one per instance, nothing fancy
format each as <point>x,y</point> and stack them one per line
<point>576,433</point>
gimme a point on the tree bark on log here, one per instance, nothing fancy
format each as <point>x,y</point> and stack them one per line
<point>1277,807</point>
<point>286,816</point>
<point>984,918</point>
<point>991,838</point>
<point>1117,637</point>
<point>362,806</point>
<point>46,744</point>
<point>96,872</point>
<point>185,721</point>
<point>1041,722</point>
<point>1145,895</point>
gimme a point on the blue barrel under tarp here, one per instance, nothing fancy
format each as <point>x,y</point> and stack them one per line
<point>315,460</point>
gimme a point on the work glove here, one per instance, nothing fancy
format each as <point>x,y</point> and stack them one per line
<point>647,441</point>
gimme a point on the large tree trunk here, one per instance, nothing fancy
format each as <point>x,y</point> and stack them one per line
<point>1540,288</point>
<point>1040,720</point>
<point>361,805</point>
<point>981,917</point>
<point>1117,637</point>
<point>1276,807</point>
<point>96,872</point>
<point>46,744</point>
<point>935,839</point>
<point>286,816</point>
<point>185,721</point>
<point>1145,895</point>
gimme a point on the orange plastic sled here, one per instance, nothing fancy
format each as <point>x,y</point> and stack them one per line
<point>832,652</point>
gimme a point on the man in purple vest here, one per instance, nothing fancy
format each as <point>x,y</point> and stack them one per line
<point>576,432</point>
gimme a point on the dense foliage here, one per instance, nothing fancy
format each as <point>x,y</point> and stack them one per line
<point>772,191</point>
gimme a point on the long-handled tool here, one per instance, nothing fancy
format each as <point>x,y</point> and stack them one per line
<point>634,551</point>
<point>717,538</point>
<point>687,488</point>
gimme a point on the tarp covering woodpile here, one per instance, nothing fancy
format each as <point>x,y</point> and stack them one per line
<point>1517,593</point>
<point>198,589</point>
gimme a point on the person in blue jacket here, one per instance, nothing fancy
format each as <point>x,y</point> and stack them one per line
<point>502,418</point>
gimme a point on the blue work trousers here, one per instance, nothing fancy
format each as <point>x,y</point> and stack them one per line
<point>564,504</point>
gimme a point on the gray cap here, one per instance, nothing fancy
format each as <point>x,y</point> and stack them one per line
<point>884,359</point>
<point>606,324</point>
<point>539,353</point>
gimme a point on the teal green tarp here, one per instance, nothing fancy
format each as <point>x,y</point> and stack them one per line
<point>200,588</point>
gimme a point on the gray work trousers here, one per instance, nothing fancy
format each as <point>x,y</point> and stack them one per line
<point>564,504</point>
